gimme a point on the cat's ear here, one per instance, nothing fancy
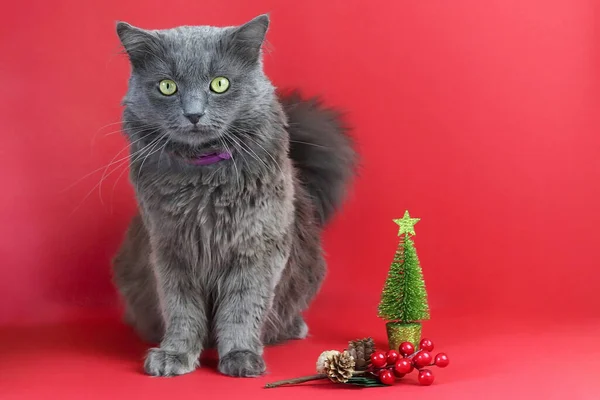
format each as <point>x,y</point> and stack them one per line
<point>248,38</point>
<point>139,44</point>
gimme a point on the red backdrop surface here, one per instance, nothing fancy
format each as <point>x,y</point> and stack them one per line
<point>481,118</point>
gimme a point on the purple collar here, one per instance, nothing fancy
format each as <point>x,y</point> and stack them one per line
<point>211,158</point>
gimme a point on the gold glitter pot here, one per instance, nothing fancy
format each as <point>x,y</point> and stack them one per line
<point>399,333</point>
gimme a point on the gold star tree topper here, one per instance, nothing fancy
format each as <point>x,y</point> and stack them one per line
<point>406,224</point>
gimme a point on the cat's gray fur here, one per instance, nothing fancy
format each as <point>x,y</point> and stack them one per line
<point>230,253</point>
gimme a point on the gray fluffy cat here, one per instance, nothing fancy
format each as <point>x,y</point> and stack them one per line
<point>234,184</point>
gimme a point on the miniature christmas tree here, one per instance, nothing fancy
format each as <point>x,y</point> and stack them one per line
<point>404,297</point>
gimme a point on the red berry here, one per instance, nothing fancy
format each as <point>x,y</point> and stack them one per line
<point>379,359</point>
<point>392,357</point>
<point>397,375</point>
<point>425,377</point>
<point>422,359</point>
<point>406,349</point>
<point>426,344</point>
<point>403,366</point>
<point>386,377</point>
<point>441,360</point>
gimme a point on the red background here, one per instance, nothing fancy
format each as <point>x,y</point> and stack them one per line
<point>480,117</point>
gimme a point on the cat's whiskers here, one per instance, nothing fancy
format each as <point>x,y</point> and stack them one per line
<point>300,141</point>
<point>111,162</point>
<point>139,126</point>
<point>93,141</point>
<point>120,163</point>
<point>246,148</point>
<point>142,152</point>
<point>235,145</point>
<point>125,170</point>
<point>138,154</point>
<point>249,136</point>
<point>124,158</point>
<point>246,134</point>
<point>145,151</point>
<point>160,156</point>
<point>232,159</point>
<point>156,142</point>
<point>122,121</point>
<point>309,144</point>
<point>104,176</point>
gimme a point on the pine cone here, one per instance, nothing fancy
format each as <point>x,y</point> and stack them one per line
<point>361,351</point>
<point>323,361</point>
<point>340,367</point>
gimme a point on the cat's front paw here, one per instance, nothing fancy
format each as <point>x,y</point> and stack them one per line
<point>160,362</point>
<point>242,363</point>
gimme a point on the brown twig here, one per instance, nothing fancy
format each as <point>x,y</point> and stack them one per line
<point>302,379</point>
<point>296,380</point>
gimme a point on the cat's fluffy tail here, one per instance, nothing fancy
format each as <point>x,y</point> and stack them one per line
<point>322,151</point>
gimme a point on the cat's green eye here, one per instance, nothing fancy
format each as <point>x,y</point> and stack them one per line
<point>167,87</point>
<point>219,85</point>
